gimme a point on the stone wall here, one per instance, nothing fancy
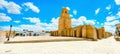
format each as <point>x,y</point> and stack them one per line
<point>79,31</point>
<point>91,32</point>
<point>107,34</point>
<point>85,31</point>
<point>101,33</point>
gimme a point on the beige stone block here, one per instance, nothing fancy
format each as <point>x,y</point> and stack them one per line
<point>79,31</point>
<point>53,33</point>
<point>99,33</point>
<point>64,32</point>
<point>91,32</point>
<point>84,31</point>
<point>108,34</point>
<point>56,33</point>
<point>74,33</point>
<point>68,32</point>
<point>103,32</point>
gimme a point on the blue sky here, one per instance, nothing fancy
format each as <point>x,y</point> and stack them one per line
<point>44,14</point>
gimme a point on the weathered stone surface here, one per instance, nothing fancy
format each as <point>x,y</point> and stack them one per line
<point>68,32</point>
<point>64,21</point>
<point>103,32</point>
<point>99,33</point>
<point>107,34</point>
<point>56,33</point>
<point>91,32</point>
<point>71,32</point>
<point>84,32</point>
<point>79,31</point>
<point>51,34</point>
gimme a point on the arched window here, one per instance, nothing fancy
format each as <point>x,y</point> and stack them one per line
<point>65,11</point>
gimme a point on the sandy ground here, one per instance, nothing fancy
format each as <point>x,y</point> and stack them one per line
<point>27,38</point>
<point>104,46</point>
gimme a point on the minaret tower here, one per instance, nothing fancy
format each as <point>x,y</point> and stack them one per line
<point>64,21</point>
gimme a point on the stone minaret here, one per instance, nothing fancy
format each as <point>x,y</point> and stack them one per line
<point>64,21</point>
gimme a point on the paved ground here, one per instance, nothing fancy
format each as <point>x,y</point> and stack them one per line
<point>104,46</point>
<point>34,39</point>
<point>45,38</point>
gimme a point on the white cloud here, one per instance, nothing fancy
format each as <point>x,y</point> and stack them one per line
<point>117,2</point>
<point>81,21</point>
<point>17,21</point>
<point>118,14</point>
<point>48,26</point>
<point>110,28</point>
<point>4,18</point>
<point>110,18</point>
<point>21,27</point>
<point>31,6</point>
<point>10,6</point>
<point>71,15</point>
<point>108,7</point>
<point>92,22</point>
<point>8,28</point>
<point>97,11</point>
<point>31,27</point>
<point>66,8</point>
<point>33,20</point>
<point>113,23</point>
<point>51,26</point>
<point>41,25</point>
<point>75,12</point>
<point>13,8</point>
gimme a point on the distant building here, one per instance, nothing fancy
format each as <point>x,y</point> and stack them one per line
<point>26,32</point>
<point>117,31</point>
<point>84,31</point>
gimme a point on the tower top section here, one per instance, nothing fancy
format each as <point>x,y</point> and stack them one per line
<point>65,10</point>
